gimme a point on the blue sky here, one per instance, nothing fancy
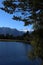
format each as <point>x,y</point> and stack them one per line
<point>6,21</point>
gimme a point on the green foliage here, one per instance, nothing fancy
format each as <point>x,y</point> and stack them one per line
<point>25,37</point>
<point>35,8</point>
<point>37,43</point>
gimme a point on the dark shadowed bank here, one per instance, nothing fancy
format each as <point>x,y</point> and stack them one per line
<point>9,40</point>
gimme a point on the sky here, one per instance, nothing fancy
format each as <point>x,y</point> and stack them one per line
<point>7,21</point>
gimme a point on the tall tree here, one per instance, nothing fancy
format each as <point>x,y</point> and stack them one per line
<point>31,13</point>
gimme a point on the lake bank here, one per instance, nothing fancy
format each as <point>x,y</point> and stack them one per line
<point>11,40</point>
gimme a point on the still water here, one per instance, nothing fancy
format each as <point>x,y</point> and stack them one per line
<point>16,53</point>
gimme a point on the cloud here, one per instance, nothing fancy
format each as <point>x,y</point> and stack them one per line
<point>25,30</point>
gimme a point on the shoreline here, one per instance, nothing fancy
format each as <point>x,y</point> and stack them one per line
<point>11,40</point>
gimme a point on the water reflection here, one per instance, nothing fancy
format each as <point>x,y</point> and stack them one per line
<point>15,53</point>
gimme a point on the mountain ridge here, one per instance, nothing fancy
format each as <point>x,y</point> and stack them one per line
<point>10,31</point>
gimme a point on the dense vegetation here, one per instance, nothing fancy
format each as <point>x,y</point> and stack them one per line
<point>24,37</point>
<point>35,9</point>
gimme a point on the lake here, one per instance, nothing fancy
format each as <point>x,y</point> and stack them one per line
<point>16,53</point>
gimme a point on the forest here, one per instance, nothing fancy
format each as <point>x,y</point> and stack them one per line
<point>24,37</point>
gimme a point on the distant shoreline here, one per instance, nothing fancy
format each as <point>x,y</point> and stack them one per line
<point>11,40</point>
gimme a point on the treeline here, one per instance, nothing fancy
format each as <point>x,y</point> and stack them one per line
<point>25,36</point>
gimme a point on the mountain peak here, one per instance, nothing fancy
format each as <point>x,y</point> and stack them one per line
<point>10,31</point>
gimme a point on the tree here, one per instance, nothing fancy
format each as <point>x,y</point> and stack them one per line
<point>31,13</point>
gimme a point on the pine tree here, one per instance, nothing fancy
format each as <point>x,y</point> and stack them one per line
<point>31,14</point>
